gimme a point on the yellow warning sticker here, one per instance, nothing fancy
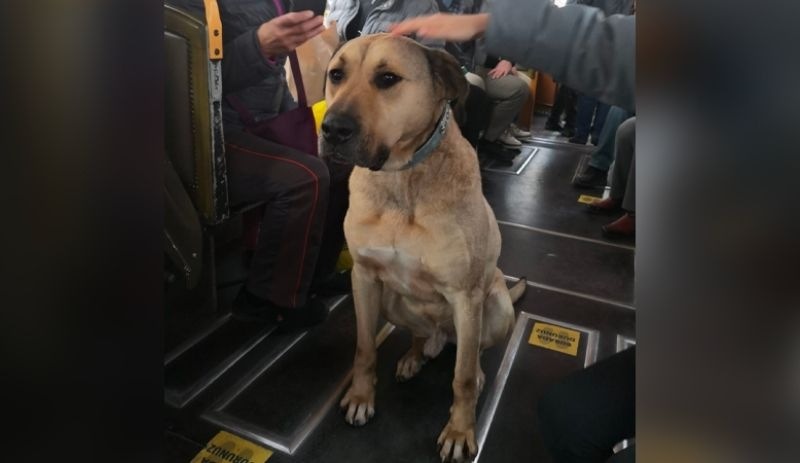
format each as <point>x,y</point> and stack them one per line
<point>587,199</point>
<point>227,448</point>
<point>555,338</point>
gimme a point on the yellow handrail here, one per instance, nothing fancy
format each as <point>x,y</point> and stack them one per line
<point>214,26</point>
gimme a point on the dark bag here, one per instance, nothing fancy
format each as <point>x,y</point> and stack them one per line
<point>294,128</point>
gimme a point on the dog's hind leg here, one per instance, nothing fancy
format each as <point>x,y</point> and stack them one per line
<point>498,310</point>
<point>409,365</point>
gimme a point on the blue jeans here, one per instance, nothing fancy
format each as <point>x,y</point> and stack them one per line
<point>603,155</point>
<point>589,107</point>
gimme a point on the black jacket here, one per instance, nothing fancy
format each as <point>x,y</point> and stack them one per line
<point>258,83</point>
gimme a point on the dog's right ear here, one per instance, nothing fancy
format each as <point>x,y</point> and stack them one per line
<point>447,75</point>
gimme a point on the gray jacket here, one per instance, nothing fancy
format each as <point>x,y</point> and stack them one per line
<point>385,12</point>
<point>579,46</point>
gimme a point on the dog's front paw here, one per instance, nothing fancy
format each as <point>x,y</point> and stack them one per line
<point>457,445</point>
<point>409,366</point>
<point>358,405</point>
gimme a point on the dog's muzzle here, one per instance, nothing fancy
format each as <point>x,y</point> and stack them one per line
<point>341,142</point>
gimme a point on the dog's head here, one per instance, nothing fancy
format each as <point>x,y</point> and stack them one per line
<point>384,95</point>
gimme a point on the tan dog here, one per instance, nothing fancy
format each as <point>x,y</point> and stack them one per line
<point>424,240</point>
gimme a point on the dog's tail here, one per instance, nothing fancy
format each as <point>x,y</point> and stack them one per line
<point>518,289</point>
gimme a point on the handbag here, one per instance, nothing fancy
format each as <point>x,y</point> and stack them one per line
<point>295,128</point>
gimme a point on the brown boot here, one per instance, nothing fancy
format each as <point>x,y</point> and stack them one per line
<point>623,227</point>
<point>604,206</point>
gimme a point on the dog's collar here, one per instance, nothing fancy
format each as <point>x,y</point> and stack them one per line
<point>433,141</point>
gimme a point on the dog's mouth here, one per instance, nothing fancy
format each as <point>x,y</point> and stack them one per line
<point>373,163</point>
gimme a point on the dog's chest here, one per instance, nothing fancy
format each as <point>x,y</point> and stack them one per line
<point>402,271</point>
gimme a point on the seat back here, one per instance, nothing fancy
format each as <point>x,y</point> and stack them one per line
<point>193,117</point>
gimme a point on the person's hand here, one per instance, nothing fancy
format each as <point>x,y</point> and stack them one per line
<point>514,70</point>
<point>449,27</point>
<point>283,34</point>
<point>502,69</point>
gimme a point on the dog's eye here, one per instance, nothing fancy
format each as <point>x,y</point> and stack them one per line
<point>386,80</point>
<point>336,75</point>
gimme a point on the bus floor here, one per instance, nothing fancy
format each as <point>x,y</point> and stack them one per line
<point>282,391</point>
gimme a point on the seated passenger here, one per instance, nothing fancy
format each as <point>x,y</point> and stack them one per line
<point>362,17</point>
<point>623,185</point>
<point>595,174</point>
<point>300,234</point>
<point>506,90</point>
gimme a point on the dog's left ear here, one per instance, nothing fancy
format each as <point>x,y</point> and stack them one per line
<point>447,75</point>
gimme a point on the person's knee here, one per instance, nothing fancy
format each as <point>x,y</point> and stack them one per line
<point>310,173</point>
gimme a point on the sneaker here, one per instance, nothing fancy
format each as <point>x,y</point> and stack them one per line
<point>591,177</point>
<point>623,227</point>
<point>508,140</point>
<point>578,140</point>
<point>519,133</point>
<point>568,132</point>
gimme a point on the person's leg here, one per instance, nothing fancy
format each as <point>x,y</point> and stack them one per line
<point>477,108</point>
<point>584,416</point>
<point>325,281</point>
<point>518,129</point>
<point>554,119</point>
<point>295,187</point>
<point>600,115</point>
<point>625,143</point>
<point>508,94</point>
<point>623,181</point>
<point>570,112</point>
<point>604,154</point>
<point>583,120</point>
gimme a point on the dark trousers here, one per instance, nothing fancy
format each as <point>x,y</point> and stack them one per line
<point>473,118</point>
<point>584,416</point>
<point>565,103</point>
<point>301,229</point>
<point>591,117</point>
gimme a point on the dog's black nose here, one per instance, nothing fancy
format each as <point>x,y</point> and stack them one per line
<point>338,128</point>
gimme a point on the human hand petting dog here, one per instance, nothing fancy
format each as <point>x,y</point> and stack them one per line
<point>283,34</point>
<point>450,27</point>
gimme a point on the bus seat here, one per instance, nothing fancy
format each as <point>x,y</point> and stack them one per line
<point>193,115</point>
<point>194,145</point>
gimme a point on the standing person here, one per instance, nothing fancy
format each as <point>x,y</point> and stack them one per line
<point>566,99</point>
<point>296,249</point>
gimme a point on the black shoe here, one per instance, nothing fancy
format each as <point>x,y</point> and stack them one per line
<point>594,141</point>
<point>578,140</point>
<point>555,127</point>
<point>333,285</point>
<point>299,318</point>
<point>252,309</point>
<point>497,152</point>
<point>591,177</point>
